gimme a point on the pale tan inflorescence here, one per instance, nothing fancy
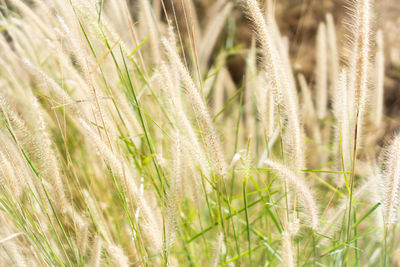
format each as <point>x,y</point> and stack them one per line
<point>300,187</point>
<point>391,176</point>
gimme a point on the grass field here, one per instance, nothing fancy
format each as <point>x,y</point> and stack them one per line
<point>197,133</point>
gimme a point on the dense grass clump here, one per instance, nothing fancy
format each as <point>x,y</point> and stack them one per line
<point>128,137</point>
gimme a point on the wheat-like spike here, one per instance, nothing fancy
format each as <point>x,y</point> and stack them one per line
<point>152,231</point>
<point>173,68</point>
<point>8,177</point>
<point>293,225</point>
<point>392,181</point>
<point>217,251</point>
<point>115,164</point>
<point>88,10</point>
<point>211,33</point>
<point>116,7</point>
<point>95,257</point>
<point>151,224</point>
<point>15,253</point>
<point>21,132</point>
<point>265,105</point>
<point>195,192</point>
<point>59,92</point>
<point>352,25</point>
<point>308,109</point>
<point>22,45</point>
<point>9,69</point>
<point>63,55</point>
<point>152,30</point>
<point>270,113</point>
<point>250,78</point>
<point>82,237</point>
<point>376,194</point>
<point>270,8</point>
<point>13,155</point>
<point>359,63</point>
<point>363,62</point>
<point>117,256</point>
<point>101,115</point>
<point>379,80</point>
<point>301,189</point>
<point>52,172</point>
<point>30,15</point>
<point>76,48</point>
<point>287,72</point>
<point>321,72</point>
<point>341,111</point>
<point>269,50</point>
<point>200,110</point>
<point>287,250</point>
<point>280,80</point>
<point>182,119</point>
<point>174,194</point>
<point>333,55</point>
